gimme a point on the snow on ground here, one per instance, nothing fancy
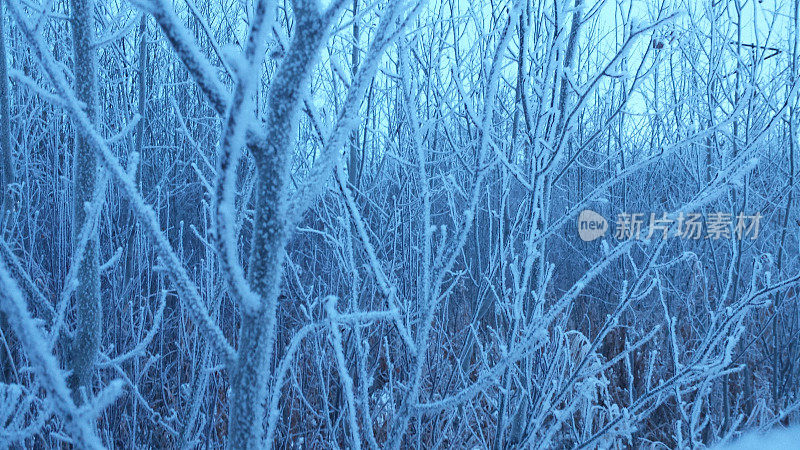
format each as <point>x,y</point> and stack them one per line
<point>778,439</point>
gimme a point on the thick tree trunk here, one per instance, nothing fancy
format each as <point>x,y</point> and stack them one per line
<point>86,343</point>
<point>6,178</point>
<point>142,99</point>
<point>6,155</point>
<point>272,159</point>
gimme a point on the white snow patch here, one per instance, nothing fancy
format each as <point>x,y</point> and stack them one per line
<point>778,439</point>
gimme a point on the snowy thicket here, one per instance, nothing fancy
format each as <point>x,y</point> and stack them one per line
<point>353,223</point>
